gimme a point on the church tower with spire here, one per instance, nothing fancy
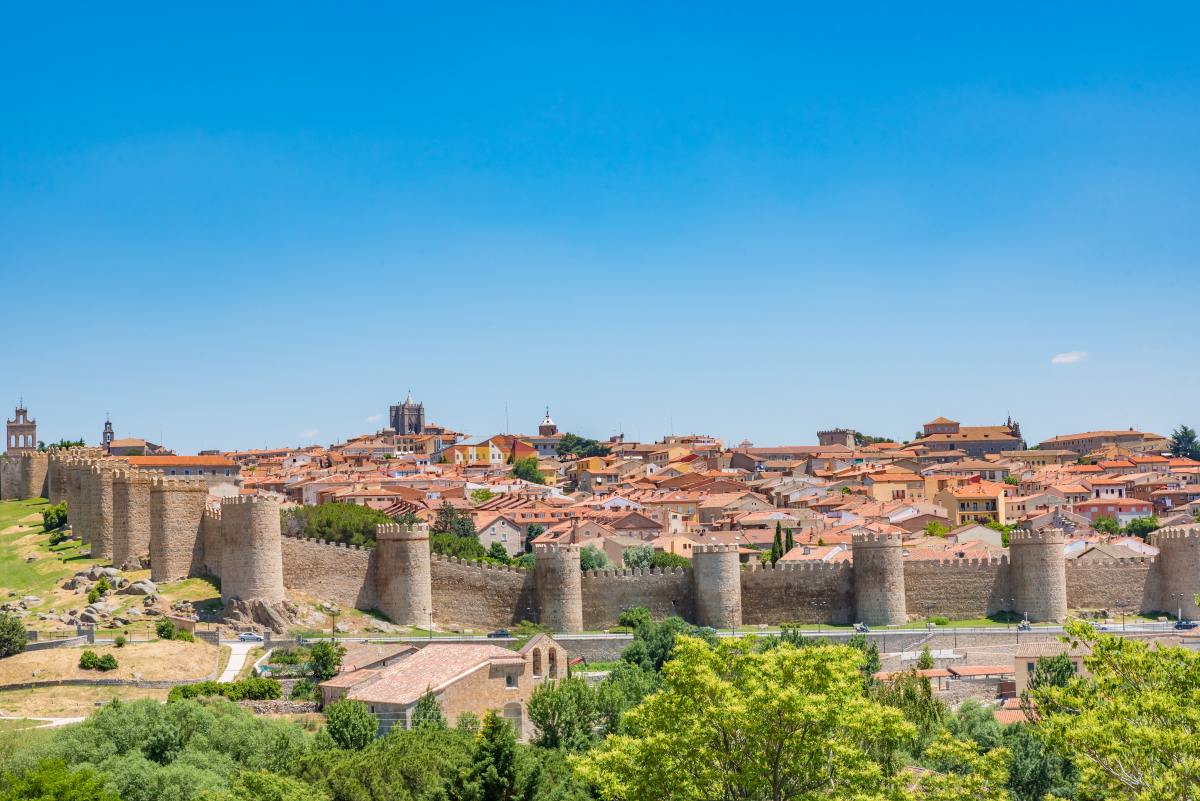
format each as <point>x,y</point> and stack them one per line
<point>547,428</point>
<point>407,417</point>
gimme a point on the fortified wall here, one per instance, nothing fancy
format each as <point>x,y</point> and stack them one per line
<point>137,519</point>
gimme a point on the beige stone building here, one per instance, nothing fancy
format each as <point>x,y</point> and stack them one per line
<point>464,677</point>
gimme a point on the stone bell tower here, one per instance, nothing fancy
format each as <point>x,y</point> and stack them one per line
<point>22,433</point>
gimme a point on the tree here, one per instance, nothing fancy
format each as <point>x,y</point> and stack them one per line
<point>1141,527</point>
<point>164,629</point>
<point>454,545</point>
<point>652,642</point>
<point>1130,727</point>
<point>935,529</point>
<point>348,523</point>
<point>54,517</point>
<point>871,663</point>
<point>913,695</point>
<point>623,689</point>
<point>497,552</point>
<point>565,712</point>
<point>1107,524</point>
<point>451,521</point>
<point>732,722</point>
<point>526,468</point>
<point>52,780</point>
<point>350,724</point>
<point>1012,480</point>
<point>789,542</point>
<point>12,635</point>
<point>1034,769</point>
<point>575,447</point>
<point>777,544</point>
<point>492,775</point>
<point>1184,443</point>
<point>961,772</point>
<point>480,495</point>
<point>428,713</point>
<point>664,559</point>
<point>325,659</point>
<point>639,556</point>
<point>634,618</point>
<point>1051,671</point>
<point>533,531</point>
<point>592,558</point>
<point>261,785</point>
<point>925,660</point>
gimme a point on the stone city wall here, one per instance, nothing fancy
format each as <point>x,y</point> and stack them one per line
<point>608,593</point>
<point>797,592</point>
<point>327,571</point>
<point>1117,585</point>
<point>481,596</point>
<point>960,589</point>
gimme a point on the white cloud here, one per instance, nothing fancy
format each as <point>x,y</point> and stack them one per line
<point>310,433</point>
<point>375,418</point>
<point>1070,357</point>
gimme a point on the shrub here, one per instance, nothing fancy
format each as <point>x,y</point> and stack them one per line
<point>185,635</point>
<point>304,690</point>
<point>254,689</point>
<point>93,595</point>
<point>165,629</point>
<point>106,662</point>
<point>88,660</point>
<point>12,635</point>
<point>54,517</point>
<point>103,585</point>
<point>119,641</point>
<point>350,724</point>
<point>939,620</point>
<point>633,617</point>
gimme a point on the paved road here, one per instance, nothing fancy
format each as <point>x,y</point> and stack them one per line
<point>237,659</point>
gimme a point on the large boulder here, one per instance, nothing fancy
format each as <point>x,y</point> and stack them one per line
<point>143,587</point>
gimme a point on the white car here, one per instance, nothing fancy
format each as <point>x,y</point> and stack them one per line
<point>250,636</point>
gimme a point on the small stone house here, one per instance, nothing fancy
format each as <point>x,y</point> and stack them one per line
<point>475,677</point>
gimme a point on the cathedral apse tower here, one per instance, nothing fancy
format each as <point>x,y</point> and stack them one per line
<point>407,417</point>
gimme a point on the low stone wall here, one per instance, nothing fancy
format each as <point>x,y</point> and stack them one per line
<point>280,707</point>
<point>44,645</point>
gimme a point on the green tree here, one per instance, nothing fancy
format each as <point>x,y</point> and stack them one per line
<point>164,629</point>
<point>1141,527</point>
<point>1184,443</point>
<point>975,722</point>
<point>532,532</point>
<point>54,517</point>
<point>1106,524</point>
<point>789,542</point>
<point>925,660</point>
<point>733,722</point>
<point>565,712</point>
<point>592,558</point>
<point>575,447</point>
<point>428,713</point>
<point>913,696</point>
<point>652,642</point>
<point>497,552</point>
<point>12,635</point>
<point>1035,771</point>
<point>777,544</point>
<point>261,785</point>
<point>325,659</point>
<point>623,689</point>
<point>639,556</point>
<point>526,469</point>
<point>1130,727</point>
<point>454,545</point>
<point>962,772</point>
<point>52,780</point>
<point>935,529</point>
<point>451,521</point>
<point>1051,671</point>
<point>350,724</point>
<point>480,495</point>
<point>347,523</point>
<point>634,617</point>
<point>493,773</point>
<point>663,560</point>
<point>871,663</point>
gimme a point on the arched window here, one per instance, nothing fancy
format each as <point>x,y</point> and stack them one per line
<point>537,662</point>
<point>516,717</point>
<point>553,660</point>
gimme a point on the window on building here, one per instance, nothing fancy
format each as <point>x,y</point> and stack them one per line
<point>510,680</point>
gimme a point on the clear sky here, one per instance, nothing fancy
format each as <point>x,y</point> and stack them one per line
<point>247,224</point>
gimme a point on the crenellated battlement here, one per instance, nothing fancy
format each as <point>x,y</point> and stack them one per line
<point>806,566</point>
<point>1075,564</point>
<point>1176,534</point>
<point>402,531</point>
<point>1048,536</point>
<point>178,484</point>
<point>635,572</point>
<point>715,547</point>
<point>875,538</point>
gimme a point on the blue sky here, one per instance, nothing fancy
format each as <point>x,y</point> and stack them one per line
<point>239,226</point>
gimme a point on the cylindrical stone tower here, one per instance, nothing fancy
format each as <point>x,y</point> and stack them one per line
<point>131,518</point>
<point>403,578</point>
<point>254,569</point>
<point>56,476</point>
<point>101,486</point>
<point>559,587</point>
<point>1038,574</point>
<point>176,512</point>
<point>717,583</point>
<point>74,472</point>
<point>879,579</point>
<point>1179,570</point>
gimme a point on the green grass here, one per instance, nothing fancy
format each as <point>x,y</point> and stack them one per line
<point>16,724</point>
<point>52,565</point>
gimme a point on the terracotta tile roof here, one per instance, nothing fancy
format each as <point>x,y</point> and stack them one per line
<point>180,461</point>
<point>433,667</point>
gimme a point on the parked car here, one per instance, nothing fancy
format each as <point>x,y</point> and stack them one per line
<point>1024,626</point>
<point>500,633</point>
<point>861,628</point>
<point>1183,625</point>
<point>250,636</point>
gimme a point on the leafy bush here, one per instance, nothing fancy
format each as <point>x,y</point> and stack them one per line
<point>939,620</point>
<point>103,585</point>
<point>336,522</point>
<point>304,690</point>
<point>662,559</point>
<point>12,635</point>
<point>633,617</point>
<point>350,724</point>
<point>185,635</point>
<point>467,547</point>
<point>119,641</point>
<point>252,689</point>
<point>165,629</point>
<point>93,595</point>
<point>54,517</point>
<point>106,662</point>
<point>88,660</point>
